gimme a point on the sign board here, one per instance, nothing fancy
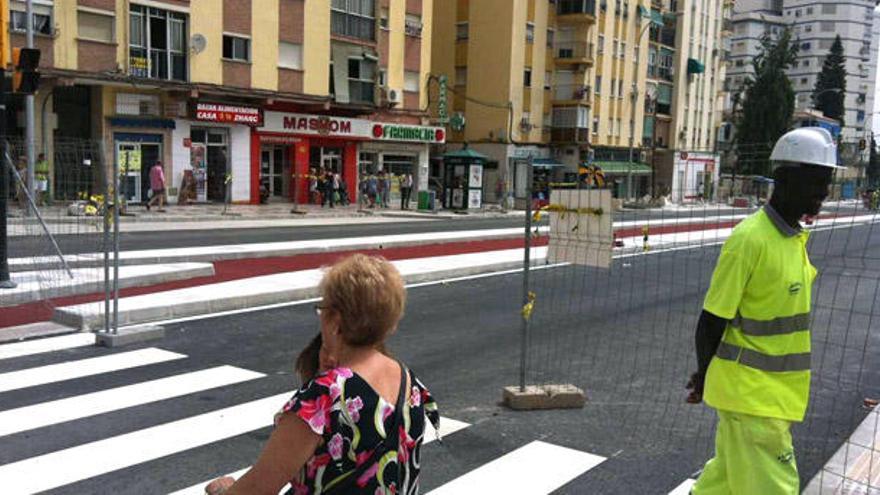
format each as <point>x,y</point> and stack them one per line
<point>475,178</point>
<point>475,199</point>
<point>442,100</point>
<point>577,235</point>
<point>198,161</point>
<point>139,66</point>
<point>228,114</point>
<point>344,127</point>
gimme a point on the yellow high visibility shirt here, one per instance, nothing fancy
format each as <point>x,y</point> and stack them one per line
<point>762,285</point>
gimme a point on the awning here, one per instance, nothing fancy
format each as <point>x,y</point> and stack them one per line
<point>466,153</point>
<point>142,122</point>
<point>695,66</point>
<point>545,163</point>
<point>656,18</point>
<point>623,168</point>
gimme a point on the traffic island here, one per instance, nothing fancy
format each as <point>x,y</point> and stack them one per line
<point>532,397</point>
<point>130,335</point>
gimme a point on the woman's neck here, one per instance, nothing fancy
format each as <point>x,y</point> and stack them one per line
<point>351,357</point>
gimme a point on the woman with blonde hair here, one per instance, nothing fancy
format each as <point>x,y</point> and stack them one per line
<point>330,437</point>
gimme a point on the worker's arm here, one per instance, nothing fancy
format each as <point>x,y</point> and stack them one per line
<point>710,329</point>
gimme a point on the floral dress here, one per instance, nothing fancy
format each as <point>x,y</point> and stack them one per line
<point>351,418</point>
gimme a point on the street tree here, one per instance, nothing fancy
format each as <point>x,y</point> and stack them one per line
<point>873,170</point>
<point>829,92</point>
<point>767,105</point>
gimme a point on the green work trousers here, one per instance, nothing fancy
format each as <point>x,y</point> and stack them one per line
<point>753,455</point>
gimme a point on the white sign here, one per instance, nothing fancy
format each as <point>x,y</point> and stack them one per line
<point>332,126</point>
<point>476,176</point>
<point>580,235</point>
<point>475,199</point>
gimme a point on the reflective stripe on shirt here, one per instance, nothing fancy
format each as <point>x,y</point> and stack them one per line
<point>776,326</point>
<point>764,362</point>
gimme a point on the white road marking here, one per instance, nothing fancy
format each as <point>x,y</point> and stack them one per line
<point>42,375</point>
<point>447,427</point>
<point>684,488</point>
<point>63,467</point>
<point>49,344</point>
<point>82,406</point>
<point>556,465</point>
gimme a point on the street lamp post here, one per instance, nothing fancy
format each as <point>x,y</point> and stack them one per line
<point>632,120</point>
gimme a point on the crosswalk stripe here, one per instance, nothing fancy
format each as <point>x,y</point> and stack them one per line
<point>447,427</point>
<point>50,344</point>
<point>554,466</point>
<point>81,406</point>
<point>85,461</point>
<point>684,488</point>
<point>42,375</point>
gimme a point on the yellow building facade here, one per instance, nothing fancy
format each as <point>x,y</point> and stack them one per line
<point>206,87</point>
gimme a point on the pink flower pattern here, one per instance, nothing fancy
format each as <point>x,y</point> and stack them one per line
<point>321,402</point>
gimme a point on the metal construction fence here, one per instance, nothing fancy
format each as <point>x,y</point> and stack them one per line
<point>618,319</point>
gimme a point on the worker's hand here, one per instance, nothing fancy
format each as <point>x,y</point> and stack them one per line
<point>695,385</point>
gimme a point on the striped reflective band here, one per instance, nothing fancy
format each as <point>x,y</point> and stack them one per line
<point>764,362</point>
<point>778,326</point>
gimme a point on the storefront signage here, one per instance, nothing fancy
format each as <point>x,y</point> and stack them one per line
<point>229,114</point>
<point>285,140</point>
<point>342,127</point>
<point>139,66</point>
<point>395,132</point>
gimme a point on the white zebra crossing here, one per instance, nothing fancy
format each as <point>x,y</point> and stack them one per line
<point>63,467</point>
<point>69,370</point>
<point>447,427</point>
<point>556,465</point>
<point>82,406</point>
<point>684,488</point>
<point>49,344</point>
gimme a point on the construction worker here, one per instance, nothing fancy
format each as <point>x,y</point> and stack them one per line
<point>753,338</point>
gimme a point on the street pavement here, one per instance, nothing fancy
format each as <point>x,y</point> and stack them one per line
<point>624,335</point>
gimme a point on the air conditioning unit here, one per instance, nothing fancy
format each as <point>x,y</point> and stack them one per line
<point>392,96</point>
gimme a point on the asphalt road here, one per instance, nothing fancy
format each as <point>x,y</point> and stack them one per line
<point>624,335</point>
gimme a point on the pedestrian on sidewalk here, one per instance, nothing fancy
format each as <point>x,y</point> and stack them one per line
<point>373,190</point>
<point>41,176</point>
<point>752,338</point>
<point>327,189</point>
<point>336,189</point>
<point>384,189</point>
<point>313,186</point>
<point>344,200</point>
<point>21,182</point>
<point>157,186</point>
<point>325,437</point>
<point>406,185</point>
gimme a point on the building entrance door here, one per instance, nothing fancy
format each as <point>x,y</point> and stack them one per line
<point>275,170</point>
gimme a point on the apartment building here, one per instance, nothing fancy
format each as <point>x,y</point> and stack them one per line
<point>256,91</point>
<point>815,26</point>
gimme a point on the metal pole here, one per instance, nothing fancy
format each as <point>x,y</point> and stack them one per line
<point>106,243</point>
<point>5,281</point>
<point>30,139</point>
<point>632,134</point>
<point>524,340</point>
<point>116,181</point>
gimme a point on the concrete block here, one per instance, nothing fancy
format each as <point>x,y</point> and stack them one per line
<point>562,396</point>
<point>128,336</point>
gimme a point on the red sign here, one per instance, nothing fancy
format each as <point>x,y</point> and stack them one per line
<point>268,139</point>
<point>229,114</point>
<point>323,124</point>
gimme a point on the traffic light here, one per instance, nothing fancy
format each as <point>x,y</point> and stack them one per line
<point>25,78</point>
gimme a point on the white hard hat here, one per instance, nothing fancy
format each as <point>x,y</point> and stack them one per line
<point>812,145</point>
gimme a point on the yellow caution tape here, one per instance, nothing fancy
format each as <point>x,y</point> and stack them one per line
<point>579,211</point>
<point>529,307</point>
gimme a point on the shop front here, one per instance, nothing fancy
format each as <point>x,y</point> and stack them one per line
<point>308,145</point>
<point>212,153</point>
<point>695,176</point>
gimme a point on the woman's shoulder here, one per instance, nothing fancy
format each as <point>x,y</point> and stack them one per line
<point>315,400</point>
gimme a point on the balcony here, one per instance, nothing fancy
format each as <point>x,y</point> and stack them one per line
<point>576,11</point>
<point>570,135</point>
<point>572,94</point>
<point>574,52</point>
<point>726,26</point>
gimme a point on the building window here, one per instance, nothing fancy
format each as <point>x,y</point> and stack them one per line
<point>527,78</point>
<point>530,32</point>
<point>620,88</point>
<point>600,47</point>
<point>809,10</point>
<point>548,80</point>
<point>353,18</point>
<point>383,18</point>
<point>739,63</point>
<point>157,43</point>
<point>461,76</point>
<point>595,125</point>
<point>42,18</point>
<point>95,27</point>
<point>808,28</point>
<point>805,46</point>
<point>413,25</point>
<point>361,80</point>
<point>461,31</point>
<point>411,81</point>
<point>236,48</point>
<point>551,37</point>
<point>804,81</point>
<point>623,49</point>
<point>137,104</point>
<point>827,26</point>
<point>829,8</point>
<point>610,126</point>
<point>290,55</point>
<point>797,13</point>
<point>616,48</point>
<point>598,85</point>
<point>860,116</point>
<point>636,55</point>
